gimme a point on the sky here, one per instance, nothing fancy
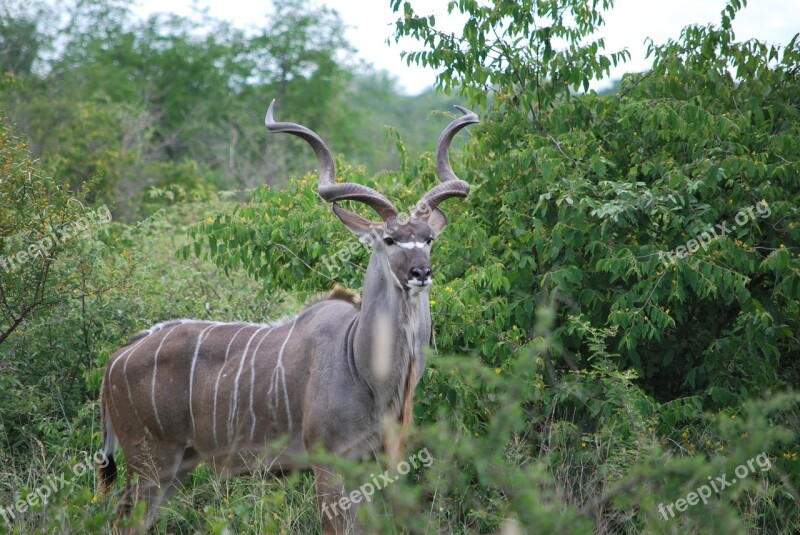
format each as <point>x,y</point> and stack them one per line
<point>370,22</point>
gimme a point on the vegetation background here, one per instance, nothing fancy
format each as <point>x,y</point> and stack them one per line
<point>580,379</point>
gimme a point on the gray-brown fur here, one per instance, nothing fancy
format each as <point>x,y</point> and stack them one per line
<point>241,396</point>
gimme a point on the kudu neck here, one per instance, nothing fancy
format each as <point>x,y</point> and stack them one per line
<point>393,328</point>
<point>383,296</point>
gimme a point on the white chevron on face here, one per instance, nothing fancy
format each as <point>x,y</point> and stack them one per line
<point>412,245</point>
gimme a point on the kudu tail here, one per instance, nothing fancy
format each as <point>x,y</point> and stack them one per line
<point>106,471</point>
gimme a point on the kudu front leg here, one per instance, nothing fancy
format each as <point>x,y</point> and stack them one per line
<point>337,512</point>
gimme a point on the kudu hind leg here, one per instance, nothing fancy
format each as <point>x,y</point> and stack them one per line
<point>189,462</point>
<point>157,465</point>
<point>336,520</point>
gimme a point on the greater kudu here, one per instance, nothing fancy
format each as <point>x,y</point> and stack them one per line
<point>187,391</point>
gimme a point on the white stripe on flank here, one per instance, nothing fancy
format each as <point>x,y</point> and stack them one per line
<point>194,363</point>
<point>125,372</point>
<point>279,374</point>
<point>219,375</point>
<point>129,352</point>
<point>411,244</point>
<point>253,383</point>
<point>153,384</point>
<point>235,399</point>
<point>152,330</point>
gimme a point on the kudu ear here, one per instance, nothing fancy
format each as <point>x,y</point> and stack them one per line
<point>360,226</point>
<point>436,220</point>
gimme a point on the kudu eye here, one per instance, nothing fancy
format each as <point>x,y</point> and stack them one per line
<point>388,241</point>
<point>429,240</point>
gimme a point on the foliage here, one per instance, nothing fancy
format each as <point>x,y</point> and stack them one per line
<point>584,376</point>
<point>617,183</point>
<point>179,101</point>
<point>529,52</point>
<point>43,260</point>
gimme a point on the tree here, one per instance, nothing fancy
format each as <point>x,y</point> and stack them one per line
<point>19,45</point>
<point>592,193</point>
<point>529,53</point>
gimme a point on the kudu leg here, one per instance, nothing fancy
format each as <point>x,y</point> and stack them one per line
<point>336,520</point>
<point>191,459</point>
<point>161,468</point>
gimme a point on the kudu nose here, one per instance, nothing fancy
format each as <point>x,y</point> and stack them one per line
<point>421,274</point>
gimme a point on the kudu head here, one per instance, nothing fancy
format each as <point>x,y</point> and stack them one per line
<point>403,241</point>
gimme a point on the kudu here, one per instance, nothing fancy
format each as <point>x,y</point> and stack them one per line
<point>187,391</point>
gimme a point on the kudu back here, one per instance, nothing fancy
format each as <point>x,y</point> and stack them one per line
<point>246,396</point>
